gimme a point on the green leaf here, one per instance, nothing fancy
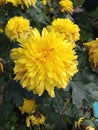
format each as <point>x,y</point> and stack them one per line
<point>21,127</point>
<point>49,127</point>
<point>14,93</point>
<point>82,92</point>
<point>5,110</point>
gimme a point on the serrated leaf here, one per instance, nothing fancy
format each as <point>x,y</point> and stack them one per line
<point>93,89</point>
<point>60,97</point>
<point>82,92</point>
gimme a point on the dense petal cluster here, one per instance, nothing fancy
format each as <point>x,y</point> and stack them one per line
<point>65,27</point>
<point>35,119</point>
<point>29,106</point>
<point>93,52</point>
<point>22,3</point>
<point>44,62</point>
<point>17,27</point>
<point>66,6</point>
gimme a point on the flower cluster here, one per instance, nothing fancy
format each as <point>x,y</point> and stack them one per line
<point>65,27</point>
<point>41,64</point>
<point>33,118</point>
<point>66,6</point>
<point>44,62</point>
<point>92,47</point>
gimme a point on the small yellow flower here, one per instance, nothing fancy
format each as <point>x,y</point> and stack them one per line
<point>65,27</point>
<point>35,119</point>
<point>44,62</point>
<point>29,106</point>
<point>92,47</point>
<point>90,128</point>
<point>17,27</point>
<point>66,6</point>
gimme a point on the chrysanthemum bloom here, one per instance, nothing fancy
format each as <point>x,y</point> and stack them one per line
<point>17,27</point>
<point>90,128</point>
<point>65,27</point>
<point>29,106</point>
<point>35,119</point>
<point>66,6</point>
<point>44,62</point>
<point>93,52</point>
<point>22,3</point>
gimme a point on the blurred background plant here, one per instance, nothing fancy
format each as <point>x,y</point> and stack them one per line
<point>24,109</point>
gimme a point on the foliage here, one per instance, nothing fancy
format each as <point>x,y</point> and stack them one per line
<point>64,110</point>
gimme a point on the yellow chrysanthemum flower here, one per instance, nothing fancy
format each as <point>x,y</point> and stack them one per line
<point>44,62</point>
<point>17,27</point>
<point>65,27</point>
<point>22,3</point>
<point>66,6</point>
<point>35,119</point>
<point>92,47</point>
<point>90,128</point>
<point>29,106</point>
